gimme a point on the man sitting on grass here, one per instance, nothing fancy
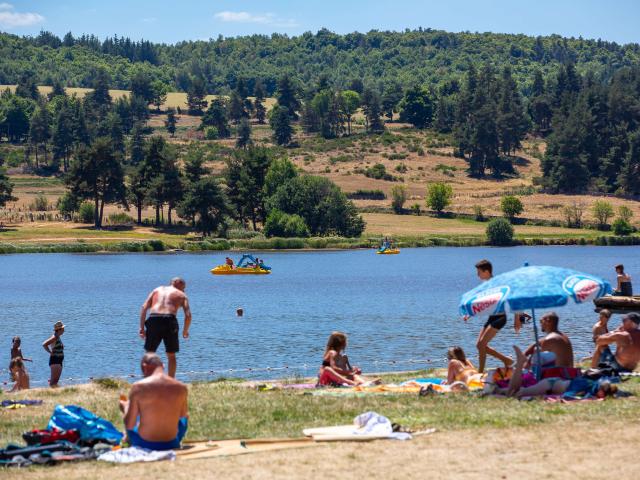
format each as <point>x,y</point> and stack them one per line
<point>555,342</point>
<point>627,340</point>
<point>155,416</point>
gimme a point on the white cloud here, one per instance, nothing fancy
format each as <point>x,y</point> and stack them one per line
<point>9,18</point>
<point>259,18</point>
<point>150,20</point>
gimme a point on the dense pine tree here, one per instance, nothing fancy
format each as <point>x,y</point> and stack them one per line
<point>216,116</point>
<point>511,121</point>
<point>280,123</point>
<point>171,121</point>
<point>196,96</point>
<point>97,175</point>
<point>287,96</point>
<point>258,103</point>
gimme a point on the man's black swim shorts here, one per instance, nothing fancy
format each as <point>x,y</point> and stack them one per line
<point>162,328</point>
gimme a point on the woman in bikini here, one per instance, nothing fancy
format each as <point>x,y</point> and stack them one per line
<point>460,369</point>
<point>54,347</point>
<point>336,369</point>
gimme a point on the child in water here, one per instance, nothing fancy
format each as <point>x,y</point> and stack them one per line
<point>336,369</point>
<point>16,351</point>
<point>19,374</point>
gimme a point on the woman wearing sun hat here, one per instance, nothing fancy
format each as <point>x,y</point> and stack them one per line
<point>54,347</point>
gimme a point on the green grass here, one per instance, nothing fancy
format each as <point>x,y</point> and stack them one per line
<point>42,182</point>
<point>225,410</point>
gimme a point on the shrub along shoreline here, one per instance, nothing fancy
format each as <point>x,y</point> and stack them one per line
<point>313,243</point>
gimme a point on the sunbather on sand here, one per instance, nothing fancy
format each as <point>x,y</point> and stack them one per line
<point>155,415</point>
<point>336,369</point>
<point>19,374</point>
<point>553,386</point>
<point>460,368</point>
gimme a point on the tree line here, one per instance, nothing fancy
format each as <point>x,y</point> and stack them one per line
<point>423,56</point>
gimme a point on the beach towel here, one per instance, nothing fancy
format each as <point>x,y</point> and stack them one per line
<point>136,454</point>
<point>366,426</point>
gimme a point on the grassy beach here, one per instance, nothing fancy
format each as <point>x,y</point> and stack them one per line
<point>519,432</point>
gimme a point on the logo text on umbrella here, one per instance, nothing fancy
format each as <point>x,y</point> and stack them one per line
<point>581,288</point>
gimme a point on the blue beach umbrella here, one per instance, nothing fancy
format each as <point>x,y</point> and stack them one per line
<point>532,287</point>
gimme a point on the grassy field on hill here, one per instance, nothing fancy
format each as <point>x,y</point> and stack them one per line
<point>174,99</point>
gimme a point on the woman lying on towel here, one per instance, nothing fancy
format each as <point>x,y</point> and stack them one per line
<point>461,371</point>
<point>336,371</point>
<point>576,387</point>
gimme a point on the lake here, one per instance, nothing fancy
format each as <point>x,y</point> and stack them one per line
<point>398,310</point>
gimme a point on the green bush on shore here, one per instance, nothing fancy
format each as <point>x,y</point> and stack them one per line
<point>500,232</point>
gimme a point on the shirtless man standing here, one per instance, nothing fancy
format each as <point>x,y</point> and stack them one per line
<point>494,324</point>
<point>162,324</point>
<point>156,413</point>
<point>555,342</point>
<point>627,340</point>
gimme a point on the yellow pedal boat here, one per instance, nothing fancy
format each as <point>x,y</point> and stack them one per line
<point>389,251</point>
<point>228,270</point>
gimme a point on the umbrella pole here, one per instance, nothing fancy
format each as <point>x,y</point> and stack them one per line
<point>537,349</point>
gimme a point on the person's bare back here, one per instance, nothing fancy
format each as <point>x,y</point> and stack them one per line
<point>560,345</point>
<point>628,352</point>
<point>166,300</point>
<point>156,404</point>
<point>627,341</point>
<point>162,325</point>
<point>160,401</point>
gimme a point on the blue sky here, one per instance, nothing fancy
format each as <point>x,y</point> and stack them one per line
<point>175,20</point>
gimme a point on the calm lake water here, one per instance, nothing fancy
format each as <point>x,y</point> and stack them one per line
<point>394,308</point>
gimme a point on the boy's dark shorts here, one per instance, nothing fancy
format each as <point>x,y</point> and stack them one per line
<point>162,328</point>
<point>497,321</point>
